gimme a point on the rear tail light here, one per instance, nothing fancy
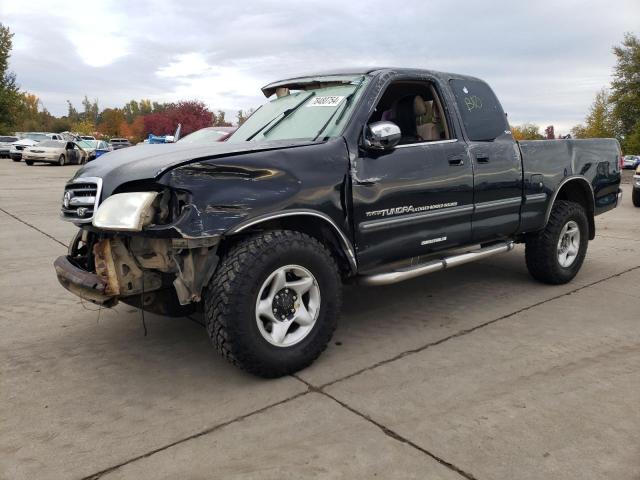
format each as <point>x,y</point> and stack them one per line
<point>621,162</point>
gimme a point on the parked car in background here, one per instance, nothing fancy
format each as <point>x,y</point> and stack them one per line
<point>87,137</point>
<point>5,145</point>
<point>95,148</point>
<point>118,143</point>
<point>40,136</point>
<point>635,196</point>
<point>16,149</point>
<point>631,161</point>
<point>208,135</point>
<point>58,152</point>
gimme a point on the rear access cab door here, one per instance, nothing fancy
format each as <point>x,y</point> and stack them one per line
<point>497,165</point>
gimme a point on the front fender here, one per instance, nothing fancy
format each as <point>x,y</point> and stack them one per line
<point>227,192</point>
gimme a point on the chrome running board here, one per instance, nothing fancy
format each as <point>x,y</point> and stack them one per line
<point>396,276</point>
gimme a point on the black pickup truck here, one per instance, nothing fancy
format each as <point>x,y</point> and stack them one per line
<point>370,176</point>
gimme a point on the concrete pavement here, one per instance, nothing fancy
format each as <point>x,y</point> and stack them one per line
<point>477,372</point>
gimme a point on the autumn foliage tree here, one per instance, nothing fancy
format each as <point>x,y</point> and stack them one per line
<point>193,115</point>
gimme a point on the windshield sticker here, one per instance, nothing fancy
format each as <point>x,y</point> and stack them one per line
<point>327,101</point>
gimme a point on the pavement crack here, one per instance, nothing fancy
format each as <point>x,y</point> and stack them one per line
<point>467,331</point>
<point>97,475</point>
<point>389,432</point>
<point>34,227</point>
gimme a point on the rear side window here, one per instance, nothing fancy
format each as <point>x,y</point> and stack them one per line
<point>481,112</point>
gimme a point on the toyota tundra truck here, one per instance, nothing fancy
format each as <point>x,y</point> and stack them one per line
<point>367,176</point>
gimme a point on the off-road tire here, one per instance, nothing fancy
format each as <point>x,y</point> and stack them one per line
<point>28,162</point>
<point>541,248</point>
<point>62,161</point>
<point>230,299</point>
<point>635,197</point>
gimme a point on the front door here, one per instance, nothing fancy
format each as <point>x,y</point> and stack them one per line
<point>413,200</point>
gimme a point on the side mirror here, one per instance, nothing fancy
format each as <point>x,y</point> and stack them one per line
<point>382,136</point>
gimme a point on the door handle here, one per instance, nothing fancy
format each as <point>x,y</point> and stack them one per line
<point>482,157</point>
<point>456,160</point>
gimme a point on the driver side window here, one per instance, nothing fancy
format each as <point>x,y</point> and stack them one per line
<point>415,107</point>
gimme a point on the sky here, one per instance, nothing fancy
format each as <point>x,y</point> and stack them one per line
<point>545,59</point>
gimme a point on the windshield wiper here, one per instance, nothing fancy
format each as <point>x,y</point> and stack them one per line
<point>284,114</point>
<point>342,112</point>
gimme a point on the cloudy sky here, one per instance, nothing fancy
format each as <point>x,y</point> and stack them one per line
<point>545,59</point>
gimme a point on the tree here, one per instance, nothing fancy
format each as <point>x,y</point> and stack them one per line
<point>9,91</point>
<point>549,133</point>
<point>600,121</point>
<point>625,89</point>
<point>219,121</point>
<point>192,114</point>
<point>526,131</point>
<point>84,127</point>
<point>91,110</point>
<point>111,120</point>
<point>243,115</point>
<point>72,113</point>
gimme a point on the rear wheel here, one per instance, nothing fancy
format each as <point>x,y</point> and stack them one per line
<point>62,160</point>
<point>28,162</point>
<point>555,254</point>
<point>15,159</point>
<point>635,197</point>
<point>272,306</point>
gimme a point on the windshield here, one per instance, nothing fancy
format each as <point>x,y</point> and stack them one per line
<point>86,143</point>
<point>38,137</point>
<point>304,115</point>
<point>205,135</point>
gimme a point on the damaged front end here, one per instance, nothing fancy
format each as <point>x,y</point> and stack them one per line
<point>112,259</point>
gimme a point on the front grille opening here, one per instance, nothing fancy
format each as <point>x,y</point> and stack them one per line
<point>79,201</point>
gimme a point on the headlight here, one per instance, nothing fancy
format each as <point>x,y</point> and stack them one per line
<point>125,211</point>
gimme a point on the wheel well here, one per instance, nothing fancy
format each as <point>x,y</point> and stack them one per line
<point>315,227</point>
<point>579,191</point>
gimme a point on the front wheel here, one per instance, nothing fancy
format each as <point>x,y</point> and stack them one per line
<point>555,254</point>
<point>62,160</point>
<point>272,306</point>
<point>635,197</point>
<point>28,162</point>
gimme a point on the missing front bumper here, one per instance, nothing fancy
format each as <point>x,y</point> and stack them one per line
<point>86,285</point>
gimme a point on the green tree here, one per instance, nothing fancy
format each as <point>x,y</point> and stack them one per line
<point>219,120</point>
<point>625,89</point>
<point>242,115</point>
<point>600,122</point>
<point>526,131</point>
<point>91,110</point>
<point>9,91</point>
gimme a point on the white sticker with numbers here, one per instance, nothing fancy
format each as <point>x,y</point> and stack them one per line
<point>326,101</point>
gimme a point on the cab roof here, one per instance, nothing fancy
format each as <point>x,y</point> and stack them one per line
<point>299,81</point>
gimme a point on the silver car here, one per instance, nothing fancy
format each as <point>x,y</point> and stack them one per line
<point>631,161</point>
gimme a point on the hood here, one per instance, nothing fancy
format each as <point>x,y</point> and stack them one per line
<point>25,141</point>
<point>149,161</point>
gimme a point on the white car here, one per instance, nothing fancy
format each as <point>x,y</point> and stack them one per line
<point>5,145</point>
<point>15,152</point>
